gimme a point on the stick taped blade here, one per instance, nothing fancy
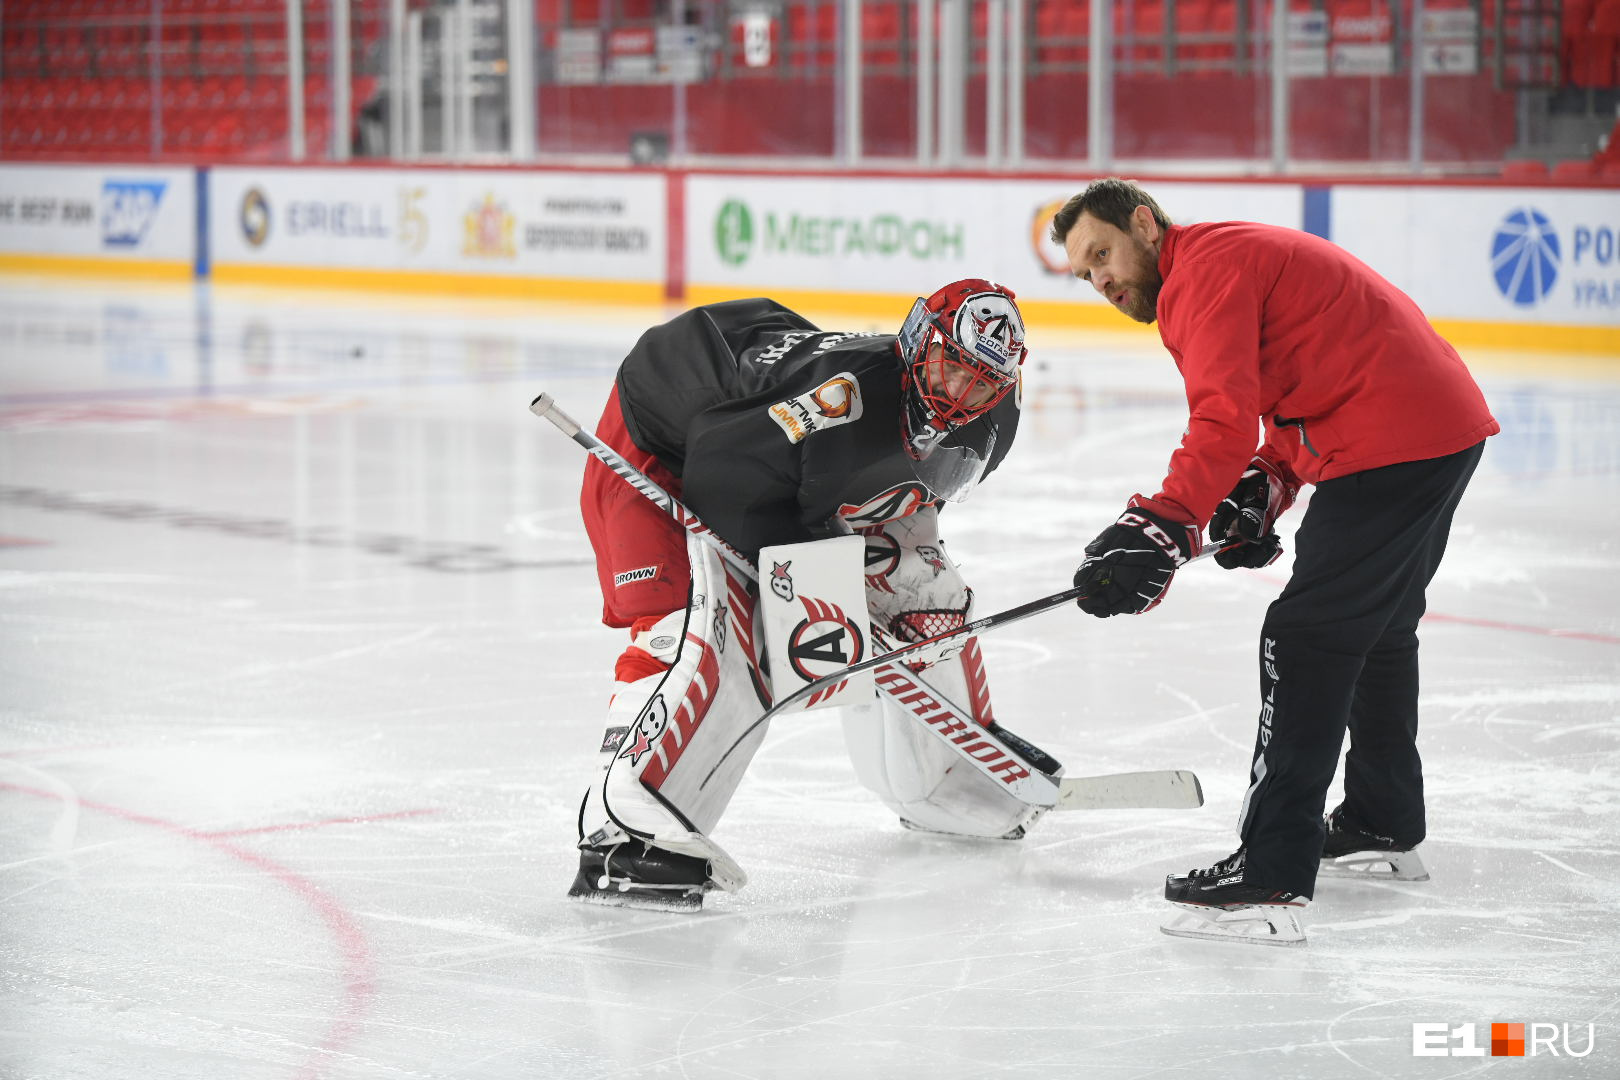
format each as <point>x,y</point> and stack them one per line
<point>1167,789</point>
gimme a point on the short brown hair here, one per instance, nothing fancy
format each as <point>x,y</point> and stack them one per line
<point>1112,200</point>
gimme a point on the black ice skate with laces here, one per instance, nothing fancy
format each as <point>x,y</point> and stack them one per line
<point>1221,905</point>
<point>1350,850</point>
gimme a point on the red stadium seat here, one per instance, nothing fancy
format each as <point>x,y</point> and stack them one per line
<point>1524,170</point>
<point>1581,169</point>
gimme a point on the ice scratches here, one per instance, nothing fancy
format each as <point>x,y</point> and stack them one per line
<point>1203,717</point>
<point>538,525</point>
<point>1531,803</point>
<point>1610,728</point>
<point>1339,1044</point>
<point>445,556</point>
<point>50,579</point>
<point>1009,655</point>
<point>464,927</point>
<point>1543,937</point>
<point>66,828</point>
<point>1529,918</point>
<point>1541,693</point>
<point>1561,865</point>
<point>885,987</point>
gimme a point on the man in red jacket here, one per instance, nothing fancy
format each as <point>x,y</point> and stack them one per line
<point>1281,331</point>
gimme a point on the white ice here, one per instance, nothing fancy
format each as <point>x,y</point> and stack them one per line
<point>301,676</point>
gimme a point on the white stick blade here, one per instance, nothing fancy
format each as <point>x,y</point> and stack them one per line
<point>1168,789</point>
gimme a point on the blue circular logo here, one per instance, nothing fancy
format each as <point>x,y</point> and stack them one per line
<point>1525,256</point>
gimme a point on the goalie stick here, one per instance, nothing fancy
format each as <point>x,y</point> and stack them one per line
<point>1163,789</point>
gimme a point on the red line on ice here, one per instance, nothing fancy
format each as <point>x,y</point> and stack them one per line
<point>1521,628</point>
<point>359,974</point>
<point>1497,624</point>
<point>297,825</point>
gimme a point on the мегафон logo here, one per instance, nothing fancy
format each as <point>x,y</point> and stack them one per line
<point>801,235</point>
<point>733,232</point>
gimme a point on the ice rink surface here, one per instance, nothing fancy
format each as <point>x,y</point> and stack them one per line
<point>301,678</point>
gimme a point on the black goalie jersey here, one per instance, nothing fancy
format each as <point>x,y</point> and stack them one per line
<point>777,428</point>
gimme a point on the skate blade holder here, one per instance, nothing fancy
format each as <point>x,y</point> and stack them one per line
<point>1382,865</point>
<point>1260,925</point>
<point>724,873</point>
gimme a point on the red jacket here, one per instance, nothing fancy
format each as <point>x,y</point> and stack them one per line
<point>1344,370</point>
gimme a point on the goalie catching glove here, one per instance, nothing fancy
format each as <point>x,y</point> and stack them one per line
<point>1129,565</point>
<point>1250,512</point>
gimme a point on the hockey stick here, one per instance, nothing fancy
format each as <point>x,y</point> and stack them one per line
<point>545,406</point>
<point>1169,788</point>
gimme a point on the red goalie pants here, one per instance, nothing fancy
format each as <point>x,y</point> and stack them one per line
<point>640,551</point>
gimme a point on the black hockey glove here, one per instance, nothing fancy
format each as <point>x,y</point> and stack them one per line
<point>1129,565</point>
<point>1251,555</point>
<point>1249,512</point>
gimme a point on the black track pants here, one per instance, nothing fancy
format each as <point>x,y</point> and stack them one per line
<point>1338,651</point>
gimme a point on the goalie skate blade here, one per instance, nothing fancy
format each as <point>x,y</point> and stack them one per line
<point>1248,926</point>
<point>642,899</point>
<point>1168,789</point>
<point>1377,865</point>
<point>968,838</point>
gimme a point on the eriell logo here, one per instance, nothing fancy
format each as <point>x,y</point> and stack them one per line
<point>1507,1040</point>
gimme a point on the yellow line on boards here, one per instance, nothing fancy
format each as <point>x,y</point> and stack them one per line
<point>427,281</point>
<point>888,310</point>
<point>96,266</point>
<point>878,311</point>
<point>1532,337</point>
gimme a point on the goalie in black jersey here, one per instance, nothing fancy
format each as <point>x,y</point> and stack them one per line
<point>773,431</point>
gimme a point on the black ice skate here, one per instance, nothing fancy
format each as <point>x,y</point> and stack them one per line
<point>1352,851</point>
<point>634,874</point>
<point>1220,905</point>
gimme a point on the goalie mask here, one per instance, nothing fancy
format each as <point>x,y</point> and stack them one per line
<point>961,349</point>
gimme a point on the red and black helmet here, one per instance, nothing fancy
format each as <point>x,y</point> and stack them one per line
<point>961,347</point>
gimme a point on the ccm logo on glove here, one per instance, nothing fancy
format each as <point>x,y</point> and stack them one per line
<point>1129,565</point>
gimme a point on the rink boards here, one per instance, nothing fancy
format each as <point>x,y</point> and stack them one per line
<point>1491,264</point>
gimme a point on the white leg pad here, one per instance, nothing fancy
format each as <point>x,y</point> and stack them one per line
<point>921,779</point>
<point>912,586</point>
<point>666,774</point>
